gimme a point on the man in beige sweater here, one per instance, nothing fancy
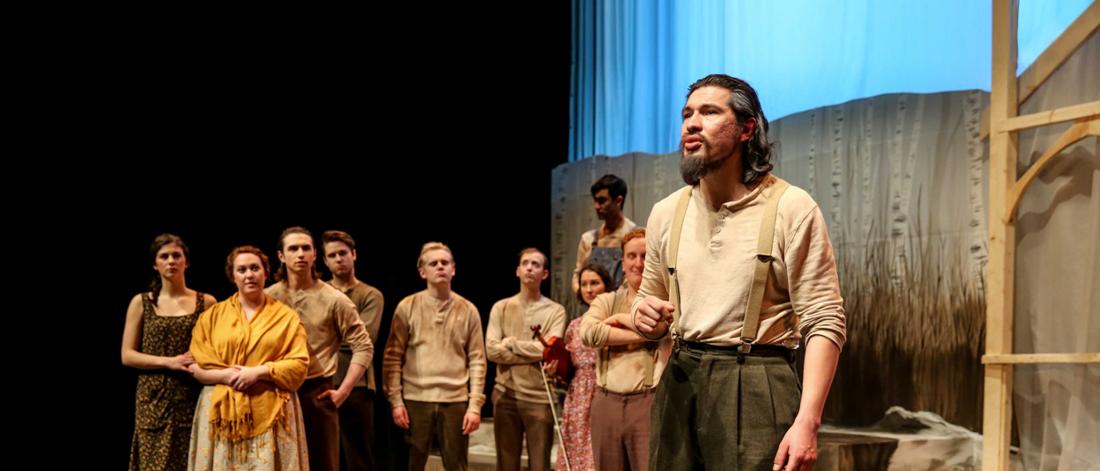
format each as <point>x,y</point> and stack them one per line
<point>330,319</point>
<point>627,369</point>
<point>740,268</point>
<point>357,413</point>
<point>520,403</point>
<point>434,365</point>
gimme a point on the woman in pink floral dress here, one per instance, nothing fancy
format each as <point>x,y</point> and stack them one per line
<point>576,426</point>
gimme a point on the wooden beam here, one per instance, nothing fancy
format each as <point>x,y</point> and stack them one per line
<point>1075,133</point>
<point>996,417</point>
<point>1052,58</point>
<point>1040,358</point>
<point>1002,175</point>
<point>1003,105</point>
<point>1066,113</point>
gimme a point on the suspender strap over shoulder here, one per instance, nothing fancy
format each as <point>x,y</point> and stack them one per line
<point>763,263</point>
<point>673,252</point>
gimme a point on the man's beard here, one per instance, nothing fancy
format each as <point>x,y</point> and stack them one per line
<point>693,169</point>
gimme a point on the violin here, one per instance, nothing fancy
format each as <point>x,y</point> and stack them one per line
<point>554,350</point>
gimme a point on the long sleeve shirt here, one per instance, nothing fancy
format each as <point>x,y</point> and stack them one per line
<point>510,344</point>
<point>716,265</point>
<point>435,352</point>
<point>330,318</point>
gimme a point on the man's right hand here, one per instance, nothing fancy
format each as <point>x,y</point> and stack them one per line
<point>653,317</point>
<point>401,417</point>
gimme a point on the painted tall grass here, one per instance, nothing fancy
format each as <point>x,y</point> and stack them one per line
<point>915,332</point>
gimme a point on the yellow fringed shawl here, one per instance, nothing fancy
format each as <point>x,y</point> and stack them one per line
<point>223,337</point>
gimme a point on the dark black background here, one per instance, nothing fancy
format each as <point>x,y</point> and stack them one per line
<point>399,125</point>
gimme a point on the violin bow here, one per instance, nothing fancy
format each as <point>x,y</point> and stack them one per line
<point>550,396</point>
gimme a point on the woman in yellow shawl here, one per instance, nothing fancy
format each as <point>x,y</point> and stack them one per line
<point>250,350</point>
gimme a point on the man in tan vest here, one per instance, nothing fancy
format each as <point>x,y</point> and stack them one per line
<point>627,368</point>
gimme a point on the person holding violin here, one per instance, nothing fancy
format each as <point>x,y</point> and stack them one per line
<point>627,369</point>
<point>521,405</point>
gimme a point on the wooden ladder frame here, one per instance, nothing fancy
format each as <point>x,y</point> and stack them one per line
<point>1005,192</point>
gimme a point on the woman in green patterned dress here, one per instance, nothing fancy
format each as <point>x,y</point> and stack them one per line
<point>156,340</point>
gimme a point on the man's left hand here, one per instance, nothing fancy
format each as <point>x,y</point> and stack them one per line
<point>798,450</point>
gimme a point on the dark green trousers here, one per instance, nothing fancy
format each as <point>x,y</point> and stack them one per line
<point>439,422</point>
<point>711,412</point>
